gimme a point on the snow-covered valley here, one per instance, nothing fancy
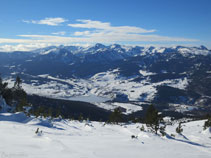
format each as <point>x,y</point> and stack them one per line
<point>175,79</point>
<point>98,89</point>
<point>64,138</point>
<point>105,79</point>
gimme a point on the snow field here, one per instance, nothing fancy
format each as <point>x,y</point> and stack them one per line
<point>62,138</point>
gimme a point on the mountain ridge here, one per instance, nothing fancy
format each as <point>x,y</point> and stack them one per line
<point>176,78</point>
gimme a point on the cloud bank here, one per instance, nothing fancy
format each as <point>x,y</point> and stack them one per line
<point>88,32</point>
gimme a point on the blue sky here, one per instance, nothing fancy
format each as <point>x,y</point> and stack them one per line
<point>29,24</point>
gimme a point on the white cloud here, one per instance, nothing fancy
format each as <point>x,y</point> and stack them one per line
<point>93,32</point>
<point>101,37</point>
<point>84,33</point>
<point>23,47</point>
<point>62,33</point>
<point>106,38</point>
<point>47,21</point>
<point>89,24</point>
<point>97,31</point>
<point>34,46</point>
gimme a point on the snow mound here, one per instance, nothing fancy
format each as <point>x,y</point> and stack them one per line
<point>15,117</point>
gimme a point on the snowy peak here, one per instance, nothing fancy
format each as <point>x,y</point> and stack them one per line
<point>124,50</point>
<point>115,46</point>
<point>96,48</point>
<point>193,50</point>
<point>203,47</point>
<point>44,50</point>
<point>53,50</point>
<point>99,45</point>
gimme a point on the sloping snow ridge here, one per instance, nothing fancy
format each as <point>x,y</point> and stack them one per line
<point>62,138</point>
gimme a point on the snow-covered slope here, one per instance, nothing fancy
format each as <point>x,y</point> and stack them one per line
<point>65,139</point>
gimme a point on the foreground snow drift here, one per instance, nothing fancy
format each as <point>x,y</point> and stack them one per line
<point>65,139</point>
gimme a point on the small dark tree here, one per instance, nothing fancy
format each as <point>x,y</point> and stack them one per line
<point>57,112</point>
<point>18,82</point>
<point>80,118</point>
<point>50,112</point>
<point>19,95</point>
<point>36,113</point>
<point>142,128</point>
<point>20,99</point>
<point>179,129</point>
<point>207,123</point>
<point>37,131</point>
<point>5,92</point>
<point>3,86</point>
<point>162,130</point>
<point>152,118</point>
<point>116,116</point>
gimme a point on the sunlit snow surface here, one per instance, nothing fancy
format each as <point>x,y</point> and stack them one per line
<point>72,139</point>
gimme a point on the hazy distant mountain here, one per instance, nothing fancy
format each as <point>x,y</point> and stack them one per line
<point>174,78</point>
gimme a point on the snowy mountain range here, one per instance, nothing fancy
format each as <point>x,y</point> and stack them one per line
<point>175,79</point>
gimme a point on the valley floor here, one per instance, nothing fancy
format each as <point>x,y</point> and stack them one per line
<point>72,139</point>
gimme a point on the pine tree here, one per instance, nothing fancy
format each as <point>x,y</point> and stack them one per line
<point>179,129</point>
<point>19,95</point>
<point>142,128</point>
<point>207,123</point>
<point>81,118</point>
<point>50,112</point>
<point>5,92</point>
<point>116,116</point>
<point>162,130</point>
<point>18,82</point>
<point>152,118</point>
